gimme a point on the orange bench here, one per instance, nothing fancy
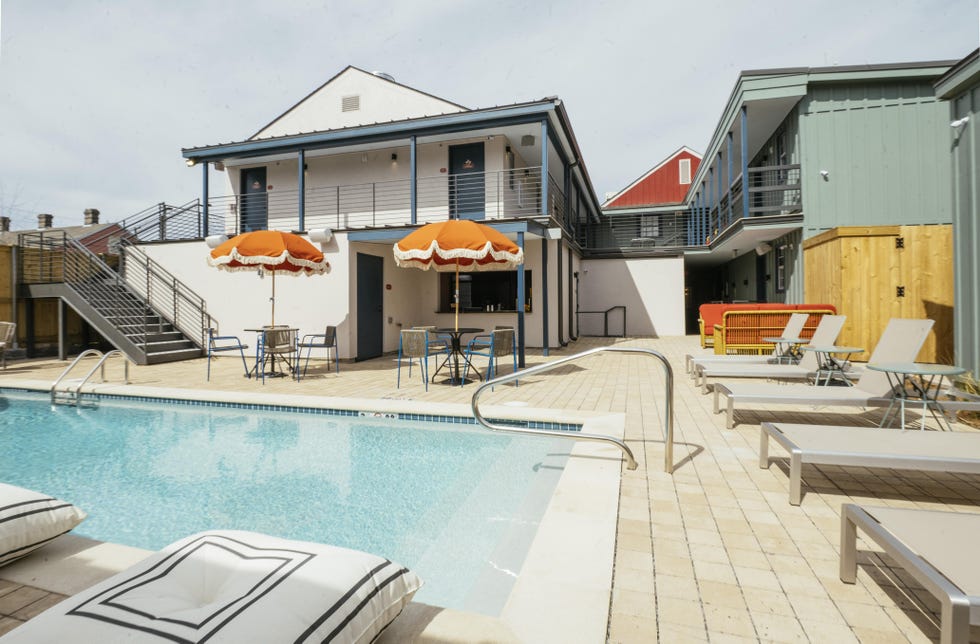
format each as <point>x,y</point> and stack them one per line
<point>739,328</point>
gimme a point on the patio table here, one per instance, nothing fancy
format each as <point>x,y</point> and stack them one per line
<point>456,353</point>
<point>787,348</point>
<point>271,358</point>
<point>917,382</point>
<point>830,367</point>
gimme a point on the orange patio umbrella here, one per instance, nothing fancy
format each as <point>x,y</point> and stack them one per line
<point>458,244</point>
<point>269,250</point>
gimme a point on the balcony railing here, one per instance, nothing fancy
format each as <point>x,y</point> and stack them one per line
<point>502,194</point>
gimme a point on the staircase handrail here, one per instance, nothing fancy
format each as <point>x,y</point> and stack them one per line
<point>158,218</point>
<point>174,300</point>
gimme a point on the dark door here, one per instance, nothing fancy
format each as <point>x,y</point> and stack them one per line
<point>370,312</point>
<point>255,203</point>
<point>760,278</point>
<point>467,183</point>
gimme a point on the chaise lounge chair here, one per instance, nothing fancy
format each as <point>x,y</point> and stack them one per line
<point>900,342</point>
<point>792,330</point>
<point>234,586</point>
<point>825,334</point>
<point>869,447</point>
<point>937,548</point>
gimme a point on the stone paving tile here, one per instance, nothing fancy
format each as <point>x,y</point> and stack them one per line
<point>713,551</point>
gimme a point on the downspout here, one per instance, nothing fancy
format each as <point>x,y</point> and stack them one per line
<point>571,313</point>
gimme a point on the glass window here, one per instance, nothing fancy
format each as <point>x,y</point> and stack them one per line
<point>493,290</point>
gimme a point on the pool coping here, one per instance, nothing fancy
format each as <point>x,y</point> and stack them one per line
<point>567,572</point>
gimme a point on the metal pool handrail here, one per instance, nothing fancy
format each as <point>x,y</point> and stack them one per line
<point>630,460</point>
<point>99,365</point>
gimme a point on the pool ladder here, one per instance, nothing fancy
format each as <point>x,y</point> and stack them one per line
<point>67,395</point>
<point>627,452</point>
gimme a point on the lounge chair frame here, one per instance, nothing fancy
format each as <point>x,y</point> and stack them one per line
<point>957,610</point>
<point>894,449</point>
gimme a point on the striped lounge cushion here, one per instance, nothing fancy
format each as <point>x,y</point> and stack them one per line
<point>29,519</point>
<point>233,586</point>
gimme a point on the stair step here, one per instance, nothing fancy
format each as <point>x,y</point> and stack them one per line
<point>173,356</point>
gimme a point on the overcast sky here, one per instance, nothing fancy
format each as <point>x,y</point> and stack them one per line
<point>98,97</point>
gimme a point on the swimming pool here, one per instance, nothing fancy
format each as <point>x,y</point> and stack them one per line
<point>457,504</point>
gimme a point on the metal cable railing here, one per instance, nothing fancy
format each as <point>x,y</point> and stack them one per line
<point>168,296</point>
<point>548,366</point>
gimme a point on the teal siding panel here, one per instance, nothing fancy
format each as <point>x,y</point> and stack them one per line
<point>965,148</point>
<point>885,148</point>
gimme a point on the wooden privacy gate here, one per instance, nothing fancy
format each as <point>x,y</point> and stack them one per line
<point>875,273</point>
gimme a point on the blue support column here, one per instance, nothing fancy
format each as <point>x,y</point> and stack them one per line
<point>301,187</point>
<point>719,193</point>
<point>728,188</point>
<point>204,200</point>
<point>520,306</point>
<point>709,180</point>
<point>544,168</point>
<point>745,161</point>
<point>412,182</point>
<point>544,296</point>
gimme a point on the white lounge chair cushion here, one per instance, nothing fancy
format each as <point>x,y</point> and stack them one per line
<point>234,586</point>
<point>30,519</point>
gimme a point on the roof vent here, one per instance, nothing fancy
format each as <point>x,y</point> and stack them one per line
<point>350,103</point>
<point>387,77</point>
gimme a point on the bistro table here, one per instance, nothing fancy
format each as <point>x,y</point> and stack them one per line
<point>456,352</point>
<point>829,366</point>
<point>919,383</point>
<point>787,348</point>
<point>270,357</point>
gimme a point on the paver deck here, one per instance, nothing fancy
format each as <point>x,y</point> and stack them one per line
<point>712,552</point>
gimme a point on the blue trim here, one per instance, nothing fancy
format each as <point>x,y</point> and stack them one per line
<point>442,124</point>
<point>544,296</point>
<point>413,187</point>
<point>370,413</point>
<point>301,188</point>
<point>204,199</point>
<point>729,187</point>
<point>544,167</point>
<point>745,161</point>
<point>520,305</point>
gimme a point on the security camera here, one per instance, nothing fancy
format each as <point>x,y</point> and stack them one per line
<point>960,122</point>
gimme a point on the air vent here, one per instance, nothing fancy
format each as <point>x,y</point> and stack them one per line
<point>350,103</point>
<point>685,171</point>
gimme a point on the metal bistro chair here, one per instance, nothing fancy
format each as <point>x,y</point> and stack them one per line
<point>7,333</point>
<point>438,342</point>
<point>326,340</point>
<point>496,344</point>
<point>415,343</point>
<point>220,343</point>
<point>276,343</point>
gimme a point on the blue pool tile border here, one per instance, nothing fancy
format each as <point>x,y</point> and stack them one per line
<point>317,411</point>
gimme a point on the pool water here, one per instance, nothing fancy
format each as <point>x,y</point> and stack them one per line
<point>457,504</point>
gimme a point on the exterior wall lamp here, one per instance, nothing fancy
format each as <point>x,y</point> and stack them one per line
<point>191,163</point>
<point>213,241</point>
<point>321,235</point>
<point>960,122</point>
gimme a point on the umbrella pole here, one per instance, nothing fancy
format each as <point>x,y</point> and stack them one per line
<point>273,298</point>
<point>457,295</point>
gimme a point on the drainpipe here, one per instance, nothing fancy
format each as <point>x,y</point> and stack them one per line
<point>520,305</point>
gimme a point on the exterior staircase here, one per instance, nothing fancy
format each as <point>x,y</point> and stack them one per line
<point>165,322</point>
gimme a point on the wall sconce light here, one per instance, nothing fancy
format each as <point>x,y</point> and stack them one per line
<point>191,163</point>
<point>960,122</point>
<point>213,241</point>
<point>552,233</point>
<point>321,235</point>
<point>394,156</point>
<point>219,166</point>
<point>762,249</point>
<point>825,175</point>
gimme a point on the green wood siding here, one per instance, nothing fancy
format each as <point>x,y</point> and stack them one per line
<point>885,147</point>
<point>964,142</point>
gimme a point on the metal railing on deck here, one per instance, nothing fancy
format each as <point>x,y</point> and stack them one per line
<point>548,366</point>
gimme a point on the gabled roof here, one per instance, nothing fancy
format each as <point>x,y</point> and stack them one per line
<point>682,150</point>
<point>353,75</point>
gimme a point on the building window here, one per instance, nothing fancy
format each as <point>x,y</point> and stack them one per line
<point>685,172</point>
<point>350,103</point>
<point>781,269</point>
<point>490,291</point>
<point>649,226</point>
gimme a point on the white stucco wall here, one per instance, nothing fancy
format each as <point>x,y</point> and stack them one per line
<point>380,101</point>
<point>652,289</point>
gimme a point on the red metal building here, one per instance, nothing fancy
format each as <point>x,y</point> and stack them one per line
<point>666,183</point>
